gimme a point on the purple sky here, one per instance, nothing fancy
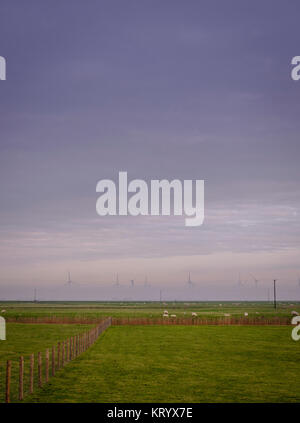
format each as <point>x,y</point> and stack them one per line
<point>160,89</point>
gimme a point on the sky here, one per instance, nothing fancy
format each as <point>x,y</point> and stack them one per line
<point>162,90</point>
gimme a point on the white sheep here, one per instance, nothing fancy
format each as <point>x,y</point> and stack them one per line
<point>173,315</point>
<point>166,312</point>
<point>3,311</point>
<point>165,315</point>
<point>294,313</point>
<point>246,314</point>
<point>227,315</point>
<point>194,314</point>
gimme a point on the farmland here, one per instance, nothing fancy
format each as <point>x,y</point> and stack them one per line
<point>182,364</point>
<point>18,310</point>
<point>159,363</point>
<point>25,339</point>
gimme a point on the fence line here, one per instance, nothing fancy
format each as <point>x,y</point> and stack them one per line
<point>66,351</point>
<point>156,321</point>
<point>120,321</point>
<point>84,320</point>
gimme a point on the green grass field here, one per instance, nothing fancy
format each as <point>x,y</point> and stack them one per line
<point>25,339</point>
<point>182,364</point>
<point>146,309</point>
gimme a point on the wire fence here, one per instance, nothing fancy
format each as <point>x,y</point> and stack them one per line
<point>221,320</point>
<point>119,321</point>
<point>24,377</point>
<point>82,320</point>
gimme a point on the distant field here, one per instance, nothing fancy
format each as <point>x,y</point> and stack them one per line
<point>24,339</point>
<point>146,309</point>
<point>182,364</point>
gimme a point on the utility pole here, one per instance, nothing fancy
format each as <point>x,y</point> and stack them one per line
<point>275,305</point>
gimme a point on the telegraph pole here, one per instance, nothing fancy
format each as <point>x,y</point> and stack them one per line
<point>275,305</point>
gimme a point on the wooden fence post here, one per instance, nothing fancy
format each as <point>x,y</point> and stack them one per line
<point>63,354</point>
<point>67,350</point>
<point>53,361</point>
<point>31,374</point>
<point>40,380</point>
<point>47,366</point>
<point>21,376</point>
<point>8,377</point>
<point>58,355</point>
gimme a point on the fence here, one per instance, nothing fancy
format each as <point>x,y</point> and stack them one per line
<point>83,320</point>
<point>51,361</point>
<point>119,321</point>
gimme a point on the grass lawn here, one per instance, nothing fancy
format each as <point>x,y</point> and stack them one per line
<point>24,339</point>
<point>182,364</point>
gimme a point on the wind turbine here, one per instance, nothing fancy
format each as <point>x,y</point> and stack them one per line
<point>240,283</point>
<point>117,283</point>
<point>255,280</point>
<point>189,282</point>
<point>69,281</point>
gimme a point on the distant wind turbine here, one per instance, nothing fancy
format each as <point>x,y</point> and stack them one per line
<point>255,280</point>
<point>117,283</point>
<point>189,282</point>
<point>69,281</point>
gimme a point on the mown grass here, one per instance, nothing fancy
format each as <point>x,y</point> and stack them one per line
<point>182,364</point>
<point>25,339</point>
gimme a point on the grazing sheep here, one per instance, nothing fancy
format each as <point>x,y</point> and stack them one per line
<point>194,314</point>
<point>173,315</point>
<point>3,311</point>
<point>227,315</point>
<point>246,314</point>
<point>294,313</point>
<point>165,315</point>
<point>166,312</point>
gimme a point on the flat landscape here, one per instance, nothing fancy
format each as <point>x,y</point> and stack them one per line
<point>159,363</point>
<point>182,364</point>
<point>25,339</point>
<point>88,309</point>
